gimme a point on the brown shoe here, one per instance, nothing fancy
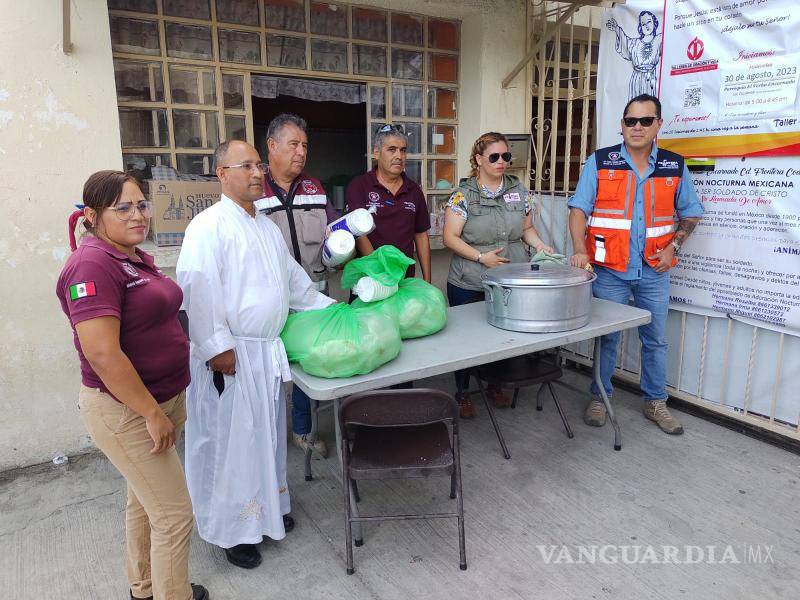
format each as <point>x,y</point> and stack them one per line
<point>596,413</point>
<point>657,412</point>
<point>499,399</point>
<point>465,408</point>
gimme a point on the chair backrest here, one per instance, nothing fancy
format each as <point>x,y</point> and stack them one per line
<point>397,408</point>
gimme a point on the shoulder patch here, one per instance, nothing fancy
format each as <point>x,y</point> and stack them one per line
<point>84,289</point>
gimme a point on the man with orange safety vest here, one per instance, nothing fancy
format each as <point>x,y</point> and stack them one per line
<point>633,208</point>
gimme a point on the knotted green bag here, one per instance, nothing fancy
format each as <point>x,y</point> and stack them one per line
<point>418,308</point>
<point>340,340</point>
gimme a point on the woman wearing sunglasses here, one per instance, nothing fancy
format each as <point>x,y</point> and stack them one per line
<point>488,222</point>
<point>134,360</point>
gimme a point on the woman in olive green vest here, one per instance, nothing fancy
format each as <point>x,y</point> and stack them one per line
<point>488,222</point>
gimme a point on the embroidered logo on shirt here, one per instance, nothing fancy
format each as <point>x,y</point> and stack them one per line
<point>130,269</point>
<point>512,197</point>
<point>613,162</point>
<point>613,155</point>
<point>82,290</point>
<point>668,164</point>
<point>409,206</point>
<point>374,197</point>
<point>309,187</point>
<point>138,282</point>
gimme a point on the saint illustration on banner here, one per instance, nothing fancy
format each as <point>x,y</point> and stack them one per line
<point>644,53</point>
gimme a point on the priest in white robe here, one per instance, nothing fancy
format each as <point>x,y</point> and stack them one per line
<point>239,282</point>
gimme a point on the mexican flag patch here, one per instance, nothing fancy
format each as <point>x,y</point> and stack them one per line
<point>82,290</point>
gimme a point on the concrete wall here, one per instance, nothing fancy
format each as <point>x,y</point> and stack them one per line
<point>58,124</point>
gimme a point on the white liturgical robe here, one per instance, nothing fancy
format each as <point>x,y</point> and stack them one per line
<point>239,282</point>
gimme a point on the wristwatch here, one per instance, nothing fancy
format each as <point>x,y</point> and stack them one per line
<point>676,246</point>
<point>478,258</point>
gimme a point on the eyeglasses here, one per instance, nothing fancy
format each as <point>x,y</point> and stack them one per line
<point>495,156</point>
<point>125,210</point>
<point>248,166</point>
<point>632,121</point>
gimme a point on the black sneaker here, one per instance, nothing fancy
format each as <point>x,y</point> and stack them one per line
<point>245,556</point>
<point>288,523</point>
<point>199,592</point>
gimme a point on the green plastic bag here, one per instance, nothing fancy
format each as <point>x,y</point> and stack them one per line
<point>387,265</point>
<point>340,340</point>
<point>418,308</point>
<point>542,257</point>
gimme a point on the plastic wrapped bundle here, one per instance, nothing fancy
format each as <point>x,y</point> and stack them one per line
<point>340,340</point>
<point>387,265</point>
<point>418,308</point>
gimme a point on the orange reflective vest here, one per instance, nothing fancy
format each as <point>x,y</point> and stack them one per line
<point>608,231</point>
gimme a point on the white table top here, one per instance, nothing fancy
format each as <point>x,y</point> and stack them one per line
<point>467,340</point>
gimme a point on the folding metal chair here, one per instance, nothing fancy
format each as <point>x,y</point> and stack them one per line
<point>519,372</point>
<point>398,434</point>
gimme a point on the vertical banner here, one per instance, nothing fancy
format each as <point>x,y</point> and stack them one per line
<point>629,57</point>
<point>744,257</point>
<point>729,78</point>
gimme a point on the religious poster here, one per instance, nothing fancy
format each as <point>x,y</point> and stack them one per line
<point>728,79</point>
<point>628,59</point>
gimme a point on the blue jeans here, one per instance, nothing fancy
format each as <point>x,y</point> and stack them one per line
<point>651,292</point>
<point>457,296</point>
<point>301,411</point>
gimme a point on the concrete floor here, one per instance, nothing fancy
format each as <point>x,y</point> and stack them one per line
<point>62,532</point>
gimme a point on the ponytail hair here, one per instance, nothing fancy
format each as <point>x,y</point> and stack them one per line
<point>73,223</point>
<point>480,145</point>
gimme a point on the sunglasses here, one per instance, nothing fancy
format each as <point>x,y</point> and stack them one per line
<point>632,121</point>
<point>393,128</point>
<point>495,156</point>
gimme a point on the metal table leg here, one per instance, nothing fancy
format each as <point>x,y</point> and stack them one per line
<point>606,401</point>
<point>312,437</point>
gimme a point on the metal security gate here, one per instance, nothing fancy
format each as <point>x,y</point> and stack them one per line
<point>740,369</point>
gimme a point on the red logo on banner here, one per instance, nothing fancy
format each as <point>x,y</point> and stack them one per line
<point>695,49</point>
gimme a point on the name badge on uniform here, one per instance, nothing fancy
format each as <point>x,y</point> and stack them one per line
<point>600,248</point>
<point>512,197</point>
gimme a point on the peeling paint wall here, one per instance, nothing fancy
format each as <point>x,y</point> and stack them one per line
<point>58,124</point>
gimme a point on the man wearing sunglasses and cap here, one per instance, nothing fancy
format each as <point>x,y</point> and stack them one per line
<point>396,201</point>
<point>633,208</point>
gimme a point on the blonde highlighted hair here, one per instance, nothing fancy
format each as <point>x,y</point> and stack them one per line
<point>480,145</point>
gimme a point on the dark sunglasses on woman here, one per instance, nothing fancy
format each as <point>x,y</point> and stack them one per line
<point>495,156</point>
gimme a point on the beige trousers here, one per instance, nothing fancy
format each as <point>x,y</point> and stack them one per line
<point>158,516</point>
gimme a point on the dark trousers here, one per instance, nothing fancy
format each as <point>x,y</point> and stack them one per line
<point>457,296</point>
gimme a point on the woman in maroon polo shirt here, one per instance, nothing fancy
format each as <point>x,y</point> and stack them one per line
<point>134,360</point>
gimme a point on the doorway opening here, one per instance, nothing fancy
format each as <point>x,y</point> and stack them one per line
<point>336,114</point>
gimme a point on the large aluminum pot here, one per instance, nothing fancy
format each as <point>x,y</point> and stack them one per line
<point>538,298</point>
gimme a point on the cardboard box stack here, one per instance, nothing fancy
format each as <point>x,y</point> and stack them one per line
<point>175,204</point>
